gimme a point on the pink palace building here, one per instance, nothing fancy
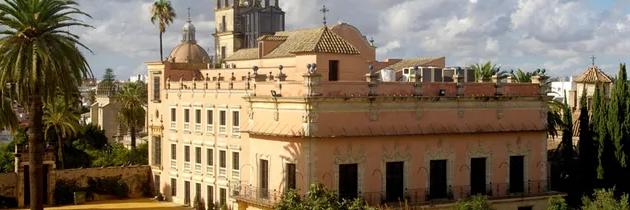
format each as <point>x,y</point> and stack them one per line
<point>313,106</point>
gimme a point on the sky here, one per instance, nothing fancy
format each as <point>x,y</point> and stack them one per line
<point>558,35</point>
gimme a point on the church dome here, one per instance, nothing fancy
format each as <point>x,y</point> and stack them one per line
<point>188,51</point>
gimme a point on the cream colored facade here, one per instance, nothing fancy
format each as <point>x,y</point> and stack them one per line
<point>306,108</point>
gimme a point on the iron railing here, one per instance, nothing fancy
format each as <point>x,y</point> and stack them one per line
<point>259,196</point>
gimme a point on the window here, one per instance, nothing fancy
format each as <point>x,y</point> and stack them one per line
<point>198,155</point>
<point>222,159</point>
<point>187,153</point>
<point>173,151</point>
<point>157,151</point>
<point>264,178</point>
<point>210,157</point>
<point>437,179</point>
<point>525,208</point>
<point>198,191</point>
<point>235,164</point>
<point>222,121</point>
<point>517,177</point>
<point>173,187</point>
<point>222,196</point>
<point>210,191</point>
<point>235,122</point>
<point>333,70</point>
<point>186,119</point>
<point>209,120</point>
<point>173,118</point>
<point>291,182</point>
<point>186,192</point>
<point>156,88</point>
<point>478,176</point>
<point>198,119</point>
<point>348,181</point>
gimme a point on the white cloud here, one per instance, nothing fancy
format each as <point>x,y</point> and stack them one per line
<point>559,35</point>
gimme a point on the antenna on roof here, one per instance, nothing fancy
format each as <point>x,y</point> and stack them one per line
<point>593,60</point>
<point>324,10</point>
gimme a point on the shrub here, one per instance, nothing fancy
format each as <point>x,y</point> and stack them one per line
<point>473,203</point>
<point>64,191</point>
<point>108,186</point>
<point>557,203</point>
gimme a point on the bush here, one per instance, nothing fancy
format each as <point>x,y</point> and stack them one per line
<point>473,203</point>
<point>318,197</point>
<point>605,199</point>
<point>108,186</point>
<point>557,203</point>
<point>64,191</point>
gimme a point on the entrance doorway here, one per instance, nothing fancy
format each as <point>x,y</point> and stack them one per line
<point>437,177</point>
<point>394,181</point>
<point>348,181</point>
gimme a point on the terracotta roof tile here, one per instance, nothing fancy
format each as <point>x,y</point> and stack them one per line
<point>593,74</point>
<point>244,54</point>
<point>406,63</point>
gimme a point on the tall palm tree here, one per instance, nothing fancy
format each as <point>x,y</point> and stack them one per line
<point>63,120</point>
<point>163,14</point>
<point>41,58</point>
<point>485,71</point>
<point>133,100</point>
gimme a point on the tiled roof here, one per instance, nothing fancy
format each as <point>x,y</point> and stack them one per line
<point>272,38</point>
<point>405,63</point>
<point>593,74</point>
<point>244,54</point>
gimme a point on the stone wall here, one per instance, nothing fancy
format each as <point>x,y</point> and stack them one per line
<point>8,184</point>
<point>137,178</point>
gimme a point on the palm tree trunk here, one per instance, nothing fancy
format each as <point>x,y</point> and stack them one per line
<point>132,132</point>
<point>60,151</point>
<point>36,152</point>
<point>161,50</point>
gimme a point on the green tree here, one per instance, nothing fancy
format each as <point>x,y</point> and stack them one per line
<point>92,137</point>
<point>133,101</point>
<point>605,199</point>
<point>319,198</point>
<point>485,71</point>
<point>40,56</point>
<point>617,110</point>
<point>60,118</point>
<point>163,14</point>
<point>8,119</point>
<point>109,78</point>
<point>586,149</point>
<point>557,203</point>
<point>473,203</point>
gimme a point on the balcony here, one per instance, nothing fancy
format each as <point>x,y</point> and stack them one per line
<point>210,170</point>
<point>222,172</point>
<point>258,196</point>
<point>236,131</point>
<point>209,128</point>
<point>236,174</point>
<point>173,125</point>
<point>198,168</point>
<point>174,164</point>
<point>424,196</point>
<point>187,167</point>
<point>222,129</point>
<point>198,128</point>
<point>187,126</point>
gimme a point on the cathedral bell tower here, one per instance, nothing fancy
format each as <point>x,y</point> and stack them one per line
<point>239,23</point>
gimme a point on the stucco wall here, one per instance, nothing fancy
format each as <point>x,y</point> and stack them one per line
<point>136,177</point>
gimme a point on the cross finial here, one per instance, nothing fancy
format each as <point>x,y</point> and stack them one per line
<point>324,10</point>
<point>593,60</point>
<point>189,19</point>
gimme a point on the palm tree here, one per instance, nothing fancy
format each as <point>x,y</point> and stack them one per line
<point>485,71</point>
<point>163,13</point>
<point>8,119</point>
<point>41,58</point>
<point>133,100</point>
<point>63,120</point>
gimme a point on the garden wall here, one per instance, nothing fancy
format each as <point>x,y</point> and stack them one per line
<point>137,178</point>
<point>8,184</point>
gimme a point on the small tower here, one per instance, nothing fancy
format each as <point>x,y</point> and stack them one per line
<point>239,23</point>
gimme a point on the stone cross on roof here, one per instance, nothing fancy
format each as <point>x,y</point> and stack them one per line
<point>593,60</point>
<point>324,10</point>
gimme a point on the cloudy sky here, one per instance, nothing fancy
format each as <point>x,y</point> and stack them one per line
<point>559,35</point>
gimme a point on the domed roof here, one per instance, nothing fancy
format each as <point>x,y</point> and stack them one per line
<point>189,52</point>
